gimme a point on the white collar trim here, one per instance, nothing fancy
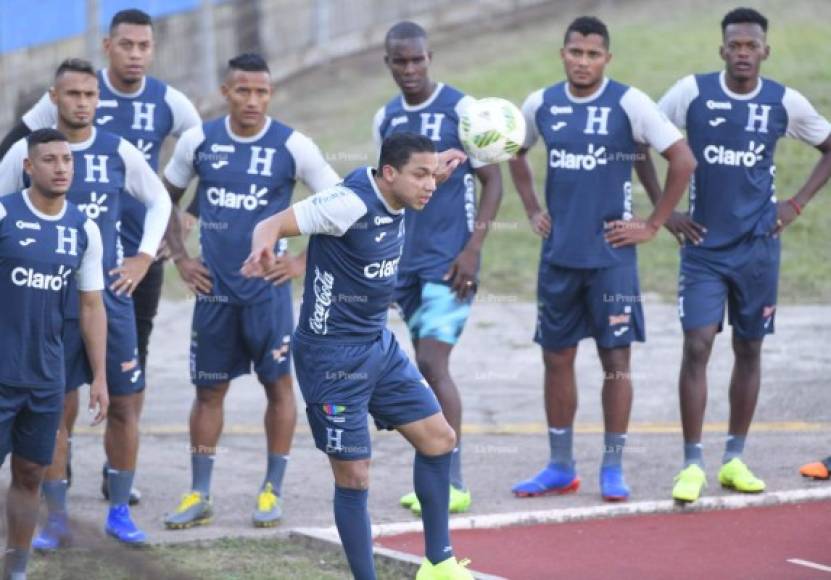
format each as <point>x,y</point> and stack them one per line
<point>116,92</point>
<point>587,98</point>
<point>40,214</point>
<point>380,195</point>
<point>739,96</point>
<point>251,139</point>
<point>425,104</point>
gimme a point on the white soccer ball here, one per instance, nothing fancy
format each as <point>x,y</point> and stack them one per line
<point>492,129</point>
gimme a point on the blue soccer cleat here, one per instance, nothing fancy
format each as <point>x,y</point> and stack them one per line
<point>556,478</point>
<point>121,527</point>
<point>612,485</point>
<point>54,534</point>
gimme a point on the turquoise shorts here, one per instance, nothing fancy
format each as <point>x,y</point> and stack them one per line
<point>431,309</point>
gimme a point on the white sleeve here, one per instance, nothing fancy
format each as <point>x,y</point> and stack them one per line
<point>42,115</point>
<point>142,183</point>
<point>11,168</point>
<point>529,110</point>
<point>376,129</point>
<point>179,170</point>
<point>90,275</point>
<point>649,124</point>
<point>677,99</point>
<point>804,123</point>
<point>331,212</point>
<point>184,113</point>
<point>309,165</point>
<point>463,103</point>
<point>2,212</point>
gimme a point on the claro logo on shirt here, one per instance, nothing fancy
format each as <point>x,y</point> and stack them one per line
<point>382,269</point>
<point>221,197</point>
<point>721,155</point>
<point>30,278</point>
<point>562,159</point>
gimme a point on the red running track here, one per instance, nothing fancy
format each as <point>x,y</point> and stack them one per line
<point>744,543</point>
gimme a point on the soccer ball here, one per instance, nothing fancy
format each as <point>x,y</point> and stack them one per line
<point>492,129</point>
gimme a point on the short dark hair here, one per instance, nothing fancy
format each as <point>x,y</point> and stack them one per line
<point>250,62</point>
<point>130,16</point>
<point>586,25</point>
<point>404,30</point>
<point>397,148</point>
<point>40,136</point>
<point>78,65</point>
<point>744,16</point>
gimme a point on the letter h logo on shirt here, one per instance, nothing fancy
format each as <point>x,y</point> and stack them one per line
<point>431,125</point>
<point>755,117</point>
<point>96,164</point>
<point>597,119</point>
<point>67,242</point>
<point>261,163</point>
<point>143,116</point>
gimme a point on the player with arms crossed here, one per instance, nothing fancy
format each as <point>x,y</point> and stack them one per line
<point>438,272</point>
<point>733,119</point>
<point>588,276</point>
<point>348,363</point>
<point>49,251</point>
<point>247,165</point>
<point>107,170</point>
<point>145,111</point>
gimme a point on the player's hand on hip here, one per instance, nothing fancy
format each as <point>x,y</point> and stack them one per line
<point>785,216</point>
<point>130,273</point>
<point>99,401</point>
<point>285,268</point>
<point>621,233</point>
<point>541,223</point>
<point>462,273</point>
<point>259,262</point>
<point>195,275</point>
<point>683,227</point>
<point>449,160</point>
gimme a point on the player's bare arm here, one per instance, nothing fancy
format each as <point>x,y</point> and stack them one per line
<point>93,320</point>
<point>788,210</point>
<point>635,231</point>
<point>523,178</point>
<point>462,273</point>
<point>260,263</point>
<point>193,272</point>
<point>679,224</point>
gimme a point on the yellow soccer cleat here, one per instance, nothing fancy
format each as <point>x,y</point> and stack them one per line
<point>450,569</point>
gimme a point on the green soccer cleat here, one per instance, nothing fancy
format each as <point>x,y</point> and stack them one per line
<point>689,483</point>
<point>459,502</point>
<point>269,509</point>
<point>450,569</point>
<point>194,510</point>
<point>408,500</point>
<point>737,476</point>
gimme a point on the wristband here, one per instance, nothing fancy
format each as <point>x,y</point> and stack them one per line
<point>795,205</point>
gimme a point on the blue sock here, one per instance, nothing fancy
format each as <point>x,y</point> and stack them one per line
<point>355,531</point>
<point>54,492</point>
<point>120,482</point>
<point>16,561</point>
<point>734,447</point>
<point>431,479</point>
<point>201,468</point>
<point>613,448</point>
<point>456,467</point>
<point>275,471</point>
<point>693,453</point>
<point>561,442</point>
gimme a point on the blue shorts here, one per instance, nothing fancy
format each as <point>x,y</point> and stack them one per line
<point>124,374</point>
<point>431,309</point>
<point>745,276</point>
<point>344,383</point>
<point>29,421</point>
<point>227,339</point>
<point>574,303</point>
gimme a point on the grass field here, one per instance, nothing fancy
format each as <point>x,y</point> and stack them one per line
<point>652,48</point>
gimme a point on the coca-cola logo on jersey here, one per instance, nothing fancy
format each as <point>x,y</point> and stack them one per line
<point>322,287</point>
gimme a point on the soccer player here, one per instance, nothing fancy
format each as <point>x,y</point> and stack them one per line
<point>107,170</point>
<point>247,164</point>
<point>144,111</point>
<point>349,365</point>
<point>438,272</point>
<point>50,254</point>
<point>588,277</point>
<point>733,119</point>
